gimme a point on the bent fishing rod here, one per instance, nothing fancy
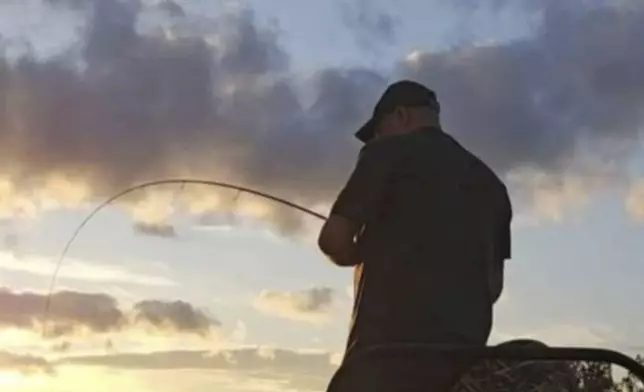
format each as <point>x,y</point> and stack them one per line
<point>180,181</point>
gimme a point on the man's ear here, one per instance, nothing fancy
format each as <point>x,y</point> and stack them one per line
<point>403,116</point>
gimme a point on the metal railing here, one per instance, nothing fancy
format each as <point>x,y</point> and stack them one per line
<point>542,353</point>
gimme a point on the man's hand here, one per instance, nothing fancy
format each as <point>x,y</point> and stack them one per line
<point>337,241</point>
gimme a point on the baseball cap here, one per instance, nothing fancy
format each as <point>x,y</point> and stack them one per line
<point>401,93</point>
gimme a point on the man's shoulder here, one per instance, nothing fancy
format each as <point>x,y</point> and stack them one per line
<point>480,166</point>
<point>493,177</point>
<point>482,170</point>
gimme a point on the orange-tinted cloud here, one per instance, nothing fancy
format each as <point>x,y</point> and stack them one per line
<point>310,305</point>
<point>298,369</point>
<point>71,312</point>
<point>163,230</point>
<point>177,316</point>
<point>291,369</point>
<point>26,364</point>
<point>217,98</point>
<point>635,200</point>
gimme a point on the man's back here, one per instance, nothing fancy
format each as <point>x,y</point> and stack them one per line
<point>427,251</point>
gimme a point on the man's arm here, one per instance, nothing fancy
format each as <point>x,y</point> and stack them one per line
<point>337,240</point>
<point>357,203</point>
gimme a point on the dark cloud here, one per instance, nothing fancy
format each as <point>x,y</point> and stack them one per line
<point>155,229</point>
<point>249,50</point>
<point>216,99</point>
<point>177,316</point>
<point>146,106</point>
<point>304,305</point>
<point>70,312</point>
<point>372,27</point>
<point>218,219</point>
<point>25,364</point>
<point>61,347</point>
<point>172,8</point>
<point>541,101</point>
<point>76,4</point>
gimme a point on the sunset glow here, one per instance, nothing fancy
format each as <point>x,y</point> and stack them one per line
<point>187,287</point>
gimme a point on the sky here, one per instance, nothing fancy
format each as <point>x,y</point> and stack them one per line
<point>177,288</point>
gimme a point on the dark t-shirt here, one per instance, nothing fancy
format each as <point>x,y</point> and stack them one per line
<point>435,219</point>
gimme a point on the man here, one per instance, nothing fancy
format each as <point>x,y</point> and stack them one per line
<point>425,223</point>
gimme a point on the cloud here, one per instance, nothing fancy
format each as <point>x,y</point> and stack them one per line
<point>109,345</point>
<point>217,99</point>
<point>254,368</point>
<point>372,27</point>
<point>309,305</point>
<point>635,200</point>
<point>306,370</point>
<point>551,195</point>
<point>244,367</point>
<point>71,313</point>
<point>240,358</point>
<point>172,8</point>
<point>565,101</point>
<point>11,241</point>
<point>176,316</point>
<point>25,364</point>
<point>155,229</point>
<point>62,347</point>
<point>240,333</point>
<point>78,270</point>
<point>218,220</point>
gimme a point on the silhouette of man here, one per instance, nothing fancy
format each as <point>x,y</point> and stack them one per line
<point>427,226</point>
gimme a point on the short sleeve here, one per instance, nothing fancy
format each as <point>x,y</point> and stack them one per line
<point>360,198</point>
<point>504,230</point>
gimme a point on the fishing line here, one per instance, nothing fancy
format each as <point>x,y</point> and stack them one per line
<point>182,182</point>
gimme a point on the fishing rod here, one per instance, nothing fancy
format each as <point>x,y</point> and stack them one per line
<point>182,182</point>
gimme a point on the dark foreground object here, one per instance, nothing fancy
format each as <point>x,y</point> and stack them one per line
<point>511,375</point>
<point>521,365</point>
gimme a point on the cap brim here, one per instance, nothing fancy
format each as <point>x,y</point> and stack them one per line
<point>367,131</point>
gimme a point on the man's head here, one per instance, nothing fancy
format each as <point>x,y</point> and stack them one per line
<point>404,107</point>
